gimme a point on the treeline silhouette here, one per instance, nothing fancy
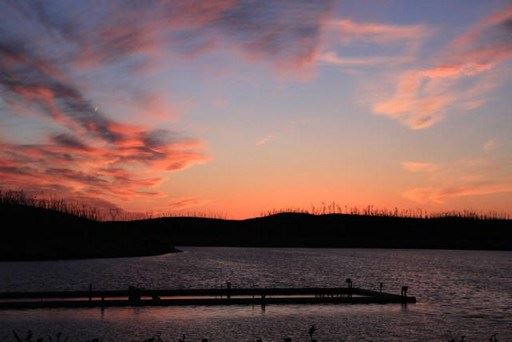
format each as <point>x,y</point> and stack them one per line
<point>45,229</point>
<point>370,210</point>
<point>75,208</point>
<point>20,198</point>
<point>116,214</point>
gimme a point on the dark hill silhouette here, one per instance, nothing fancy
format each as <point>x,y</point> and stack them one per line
<point>335,230</point>
<point>37,233</point>
<point>30,233</point>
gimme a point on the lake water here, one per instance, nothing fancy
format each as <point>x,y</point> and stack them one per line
<point>459,293</point>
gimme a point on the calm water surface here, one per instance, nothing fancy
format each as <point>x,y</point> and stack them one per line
<point>459,293</point>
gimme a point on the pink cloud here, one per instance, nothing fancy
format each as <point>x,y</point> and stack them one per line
<point>264,140</point>
<point>377,32</point>
<point>423,96</point>
<point>415,104</point>
<point>405,39</point>
<point>287,35</point>
<point>457,70</point>
<point>474,33</point>
<point>331,57</point>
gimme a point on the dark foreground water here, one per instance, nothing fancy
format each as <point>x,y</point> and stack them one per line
<point>459,293</point>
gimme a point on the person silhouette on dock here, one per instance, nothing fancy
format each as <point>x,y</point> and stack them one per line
<point>381,286</point>
<point>349,286</point>
<point>404,291</point>
<point>133,295</point>
<point>311,332</point>
<point>228,286</point>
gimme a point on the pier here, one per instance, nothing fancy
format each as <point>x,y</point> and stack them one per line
<point>203,297</point>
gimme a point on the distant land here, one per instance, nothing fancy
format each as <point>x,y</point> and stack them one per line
<point>33,233</point>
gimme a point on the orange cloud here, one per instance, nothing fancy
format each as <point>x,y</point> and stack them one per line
<point>441,194</point>
<point>490,145</point>
<point>462,178</point>
<point>129,167</point>
<point>185,203</point>
<point>90,155</point>
<point>419,166</point>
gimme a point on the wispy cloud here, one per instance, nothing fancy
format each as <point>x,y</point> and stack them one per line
<point>287,31</point>
<point>461,178</point>
<point>404,40</point>
<point>264,140</point>
<point>50,50</point>
<point>415,103</point>
<point>423,96</point>
<point>332,58</point>
<point>442,194</point>
<point>185,203</point>
<point>72,167</point>
<point>380,33</point>
<point>490,145</point>
<point>90,145</point>
<point>90,155</point>
<point>413,166</point>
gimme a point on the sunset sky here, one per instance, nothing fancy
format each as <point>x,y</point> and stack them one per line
<point>239,107</point>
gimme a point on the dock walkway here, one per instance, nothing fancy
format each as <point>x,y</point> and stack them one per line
<point>204,297</point>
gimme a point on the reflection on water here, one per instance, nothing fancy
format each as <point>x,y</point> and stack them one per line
<point>459,293</point>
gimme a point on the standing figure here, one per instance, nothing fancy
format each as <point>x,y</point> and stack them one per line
<point>349,285</point>
<point>311,332</point>
<point>228,286</point>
